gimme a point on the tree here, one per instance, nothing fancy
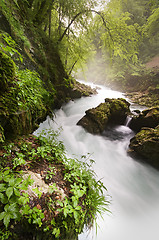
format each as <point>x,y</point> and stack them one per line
<point>68,24</point>
<point>152,25</point>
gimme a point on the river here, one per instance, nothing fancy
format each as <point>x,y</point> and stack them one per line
<point>133,187</point>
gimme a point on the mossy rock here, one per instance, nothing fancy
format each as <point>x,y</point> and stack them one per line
<point>78,90</point>
<point>95,119</point>
<point>113,111</point>
<point>7,72</point>
<point>146,144</point>
<point>119,109</point>
<point>147,118</point>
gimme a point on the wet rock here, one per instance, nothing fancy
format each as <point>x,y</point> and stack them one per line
<point>79,89</point>
<point>147,118</point>
<point>113,111</point>
<point>146,144</point>
<point>40,184</point>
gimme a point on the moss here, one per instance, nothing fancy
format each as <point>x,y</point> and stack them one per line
<point>147,118</point>
<point>7,72</point>
<point>23,102</point>
<point>144,98</point>
<point>113,111</point>
<point>2,138</point>
<point>146,144</point>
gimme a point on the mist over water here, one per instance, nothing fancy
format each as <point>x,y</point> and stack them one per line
<point>133,186</point>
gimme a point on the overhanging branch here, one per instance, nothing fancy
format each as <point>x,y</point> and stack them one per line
<point>76,16</point>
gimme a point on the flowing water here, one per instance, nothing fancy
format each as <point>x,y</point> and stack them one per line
<point>133,186</point>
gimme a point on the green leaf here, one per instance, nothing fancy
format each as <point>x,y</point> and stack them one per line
<point>16,192</point>
<point>2,215</point>
<point>1,195</point>
<point>76,214</point>
<point>2,187</point>
<point>6,172</point>
<point>15,215</point>
<point>6,207</point>
<point>12,182</point>
<point>26,209</point>
<point>12,208</point>
<point>6,220</point>
<point>56,232</point>
<point>3,198</point>
<point>65,224</point>
<point>60,203</point>
<point>36,190</point>
<point>6,178</point>
<point>53,222</point>
<point>75,203</point>
<point>65,212</point>
<point>9,192</point>
<point>78,208</point>
<point>18,181</point>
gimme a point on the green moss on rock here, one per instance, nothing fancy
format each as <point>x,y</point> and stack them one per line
<point>147,118</point>
<point>22,104</point>
<point>146,144</point>
<point>113,111</point>
<point>7,72</point>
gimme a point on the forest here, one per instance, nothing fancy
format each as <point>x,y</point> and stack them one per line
<point>46,48</point>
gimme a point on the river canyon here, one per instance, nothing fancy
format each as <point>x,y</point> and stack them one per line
<point>132,185</point>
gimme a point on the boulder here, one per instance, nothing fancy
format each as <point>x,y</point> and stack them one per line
<point>146,144</point>
<point>79,89</point>
<point>112,111</point>
<point>147,118</point>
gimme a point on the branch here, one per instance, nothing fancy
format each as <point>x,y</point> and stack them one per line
<point>64,33</point>
<point>74,18</point>
<point>73,67</point>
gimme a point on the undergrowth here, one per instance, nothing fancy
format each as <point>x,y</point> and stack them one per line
<point>72,201</point>
<point>32,93</point>
<point>24,100</point>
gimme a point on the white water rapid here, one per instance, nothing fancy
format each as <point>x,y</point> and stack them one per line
<point>132,185</point>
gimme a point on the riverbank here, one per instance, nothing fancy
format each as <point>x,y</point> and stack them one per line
<point>43,194</point>
<point>148,98</point>
<point>143,88</point>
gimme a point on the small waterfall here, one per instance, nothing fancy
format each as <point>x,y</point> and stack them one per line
<point>127,121</point>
